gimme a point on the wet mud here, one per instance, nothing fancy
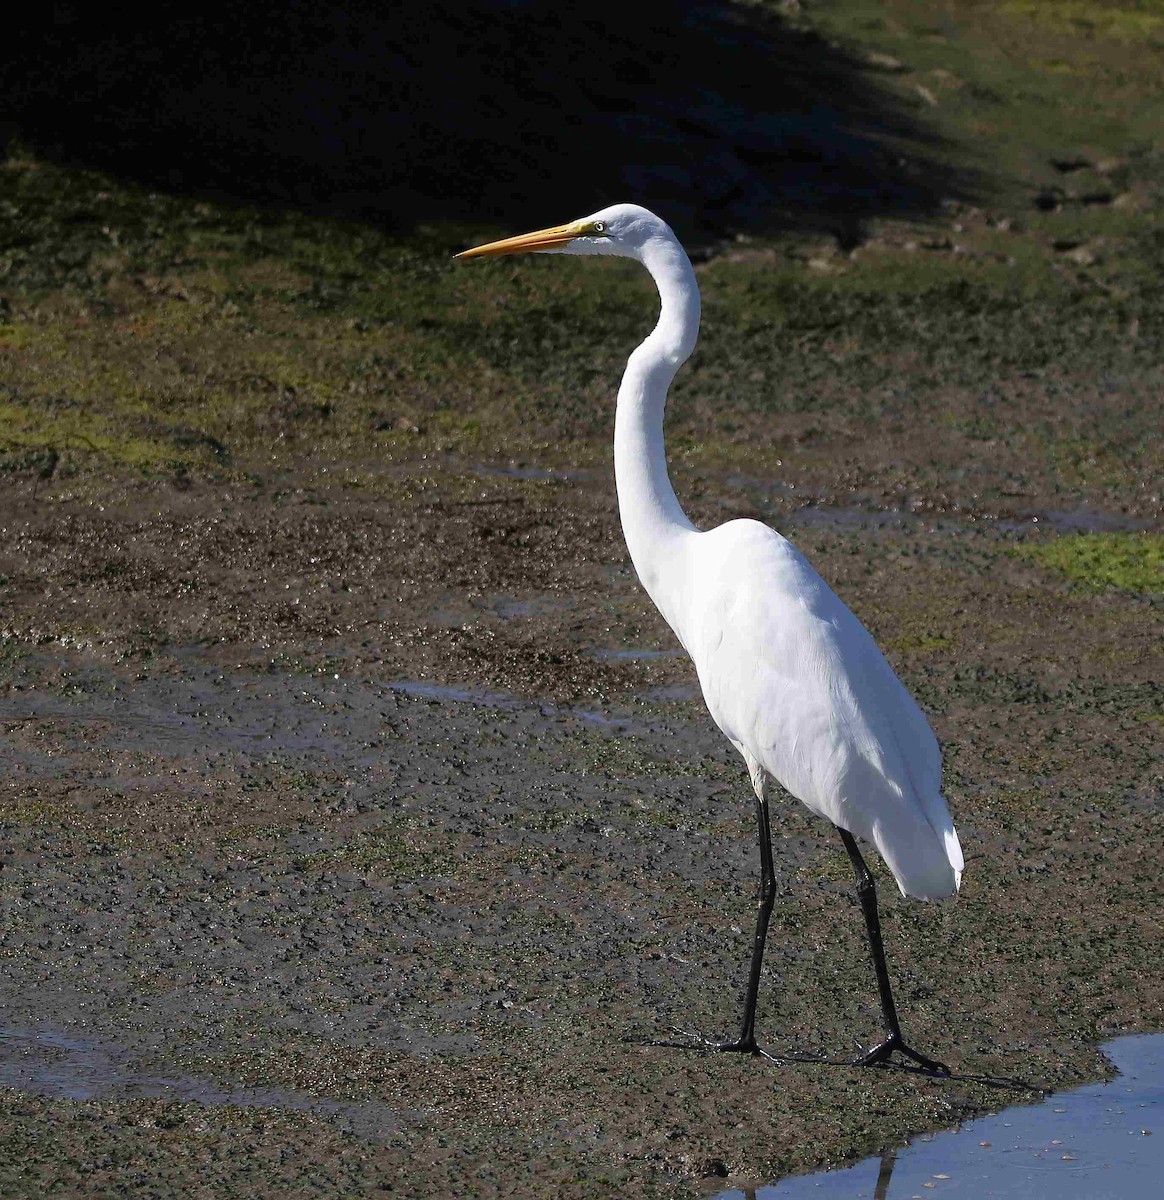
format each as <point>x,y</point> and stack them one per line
<point>375,844</point>
<point>1086,1144</point>
<point>362,831</point>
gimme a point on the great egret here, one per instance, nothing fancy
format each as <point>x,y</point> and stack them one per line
<point>789,675</point>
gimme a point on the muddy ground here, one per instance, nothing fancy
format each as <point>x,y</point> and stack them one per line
<point>362,828</point>
<point>427,856</point>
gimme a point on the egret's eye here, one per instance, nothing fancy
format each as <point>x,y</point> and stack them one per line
<point>599,226</point>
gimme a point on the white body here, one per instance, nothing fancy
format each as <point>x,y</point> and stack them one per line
<point>788,673</point>
<point>795,682</point>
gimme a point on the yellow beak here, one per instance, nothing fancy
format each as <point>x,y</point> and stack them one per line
<point>541,239</point>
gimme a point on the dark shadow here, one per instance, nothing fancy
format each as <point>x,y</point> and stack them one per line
<point>721,116</point>
<point>688,1040</point>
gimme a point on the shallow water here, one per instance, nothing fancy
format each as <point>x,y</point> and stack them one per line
<point>513,471</point>
<point>503,700</point>
<point>635,655</point>
<point>69,1066</point>
<point>1104,1141</point>
<point>1078,520</point>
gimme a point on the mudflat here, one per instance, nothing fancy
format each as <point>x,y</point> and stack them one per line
<point>361,825</point>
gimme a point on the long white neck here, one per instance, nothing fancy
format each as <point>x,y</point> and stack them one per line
<point>652,521</point>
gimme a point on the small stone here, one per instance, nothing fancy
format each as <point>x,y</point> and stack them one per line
<point>884,62</point>
<point>1073,163</point>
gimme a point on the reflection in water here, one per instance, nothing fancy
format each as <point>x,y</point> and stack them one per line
<point>1094,1143</point>
<point>885,1175</point>
<point>880,1188</point>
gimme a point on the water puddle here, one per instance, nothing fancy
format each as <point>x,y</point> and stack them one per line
<point>1100,1142</point>
<point>461,695</point>
<point>736,482</point>
<point>455,610</point>
<point>517,610</point>
<point>680,693</point>
<point>854,517</point>
<point>1078,520</point>
<point>1084,519</point>
<point>211,709</point>
<point>519,472</point>
<point>503,700</point>
<point>67,1066</point>
<point>633,655</point>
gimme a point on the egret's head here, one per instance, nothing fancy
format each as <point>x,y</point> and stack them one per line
<point>622,229</point>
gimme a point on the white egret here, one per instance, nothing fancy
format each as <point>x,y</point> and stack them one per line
<point>789,675</point>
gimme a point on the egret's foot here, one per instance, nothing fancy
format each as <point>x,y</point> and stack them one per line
<point>881,1054</point>
<point>696,1041</point>
<point>744,1046</point>
<point>739,1046</point>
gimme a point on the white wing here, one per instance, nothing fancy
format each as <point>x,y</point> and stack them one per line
<point>791,676</point>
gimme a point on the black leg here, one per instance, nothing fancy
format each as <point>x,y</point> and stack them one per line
<point>746,1042</point>
<point>867,894</point>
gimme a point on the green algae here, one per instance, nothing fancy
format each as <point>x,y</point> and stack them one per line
<point>1130,20</point>
<point>920,643</point>
<point>1129,562</point>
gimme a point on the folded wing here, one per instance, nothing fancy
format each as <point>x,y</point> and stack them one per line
<point>791,676</point>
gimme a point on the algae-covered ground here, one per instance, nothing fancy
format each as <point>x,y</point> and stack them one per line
<point>362,829</point>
